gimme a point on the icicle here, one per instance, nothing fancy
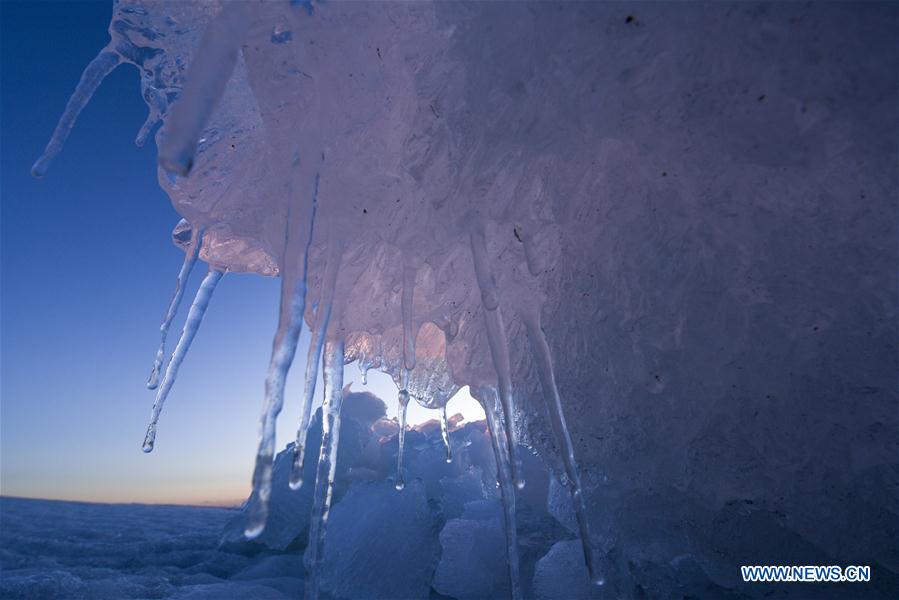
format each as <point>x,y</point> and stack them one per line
<point>409,273</point>
<point>313,357</point>
<point>499,346</point>
<point>487,398</point>
<point>572,479</point>
<point>190,258</point>
<point>444,432</point>
<point>327,464</point>
<point>322,317</point>
<point>152,119</point>
<point>293,307</point>
<point>191,325</point>
<point>93,75</point>
<point>209,71</point>
<point>403,399</point>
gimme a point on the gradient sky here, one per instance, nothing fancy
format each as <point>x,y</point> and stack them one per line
<point>87,272</point>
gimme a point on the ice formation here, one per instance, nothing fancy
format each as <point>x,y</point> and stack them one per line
<point>191,326</point>
<point>365,123</point>
<point>415,172</point>
<point>190,259</point>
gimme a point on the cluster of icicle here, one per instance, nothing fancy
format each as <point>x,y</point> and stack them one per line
<point>377,157</point>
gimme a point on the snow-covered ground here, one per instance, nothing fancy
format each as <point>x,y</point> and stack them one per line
<point>52,549</point>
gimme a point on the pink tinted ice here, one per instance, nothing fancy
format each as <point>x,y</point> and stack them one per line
<point>430,142</point>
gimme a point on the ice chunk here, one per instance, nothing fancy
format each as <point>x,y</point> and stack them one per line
<point>456,492</point>
<point>290,509</point>
<point>562,574</point>
<point>558,504</point>
<point>288,517</point>
<point>426,457</point>
<point>381,543</point>
<point>473,554</point>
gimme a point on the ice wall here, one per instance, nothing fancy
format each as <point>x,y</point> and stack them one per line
<point>676,223</point>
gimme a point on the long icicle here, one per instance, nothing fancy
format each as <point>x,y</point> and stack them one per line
<point>293,307</point>
<point>543,361</point>
<point>190,258</point>
<point>144,132</point>
<point>409,272</point>
<point>488,399</point>
<point>327,464</point>
<point>94,74</point>
<point>403,400</point>
<point>322,318</point>
<point>499,346</point>
<point>444,432</point>
<point>191,325</point>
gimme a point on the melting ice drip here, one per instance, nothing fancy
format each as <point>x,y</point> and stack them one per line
<point>381,158</point>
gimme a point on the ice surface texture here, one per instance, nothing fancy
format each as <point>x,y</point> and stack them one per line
<point>74,550</point>
<point>686,213</point>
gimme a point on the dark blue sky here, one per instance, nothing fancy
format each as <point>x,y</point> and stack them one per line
<point>87,271</point>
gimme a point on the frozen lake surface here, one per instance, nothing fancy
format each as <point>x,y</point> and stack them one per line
<point>52,549</point>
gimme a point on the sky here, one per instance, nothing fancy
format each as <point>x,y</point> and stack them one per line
<point>88,269</point>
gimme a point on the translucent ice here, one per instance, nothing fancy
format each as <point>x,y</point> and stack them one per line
<point>472,554</point>
<point>326,470</point>
<point>444,433</point>
<point>403,401</point>
<point>289,133</point>
<point>314,356</point>
<point>92,77</point>
<point>191,249</point>
<point>562,575</point>
<point>289,509</point>
<point>612,220</point>
<point>456,492</point>
<point>572,478</point>
<point>504,474</point>
<point>367,561</point>
<point>191,326</point>
<point>680,193</point>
